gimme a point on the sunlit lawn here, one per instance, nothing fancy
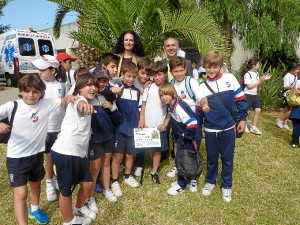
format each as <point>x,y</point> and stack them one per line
<point>266,190</point>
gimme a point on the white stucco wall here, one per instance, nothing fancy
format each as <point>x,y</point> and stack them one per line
<point>239,55</point>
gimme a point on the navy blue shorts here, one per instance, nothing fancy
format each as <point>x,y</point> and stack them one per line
<point>70,171</point>
<point>164,144</point>
<point>97,150</point>
<point>253,101</point>
<point>22,170</point>
<point>124,144</point>
<point>51,138</point>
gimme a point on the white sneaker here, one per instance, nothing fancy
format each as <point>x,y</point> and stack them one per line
<point>81,220</point>
<point>116,189</point>
<point>173,172</point>
<point>193,186</point>
<point>208,187</point>
<point>85,212</point>
<point>138,171</point>
<point>246,129</point>
<point>254,130</point>
<point>174,183</point>
<point>175,190</point>
<point>92,205</point>
<point>109,195</point>
<point>51,193</point>
<point>279,123</point>
<point>226,193</point>
<point>131,181</point>
<point>286,127</point>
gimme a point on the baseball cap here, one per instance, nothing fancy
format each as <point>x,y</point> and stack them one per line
<point>100,72</point>
<point>45,62</point>
<point>64,56</point>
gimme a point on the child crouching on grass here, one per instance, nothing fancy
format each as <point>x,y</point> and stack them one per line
<point>184,128</point>
<point>69,155</point>
<point>26,146</point>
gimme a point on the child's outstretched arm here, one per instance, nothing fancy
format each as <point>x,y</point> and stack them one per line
<point>85,108</point>
<point>70,98</point>
<point>262,79</point>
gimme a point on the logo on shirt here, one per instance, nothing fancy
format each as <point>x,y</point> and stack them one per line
<point>61,92</point>
<point>34,117</point>
<point>182,95</point>
<point>228,84</point>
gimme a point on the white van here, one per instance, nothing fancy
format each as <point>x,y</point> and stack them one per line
<point>18,49</point>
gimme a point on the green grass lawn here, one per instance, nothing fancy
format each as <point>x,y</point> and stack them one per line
<point>265,191</point>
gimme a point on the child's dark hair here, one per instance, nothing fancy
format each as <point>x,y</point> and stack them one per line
<point>108,57</point>
<point>61,74</point>
<point>193,61</point>
<point>138,48</point>
<point>79,72</point>
<point>31,81</point>
<point>86,79</point>
<point>177,61</point>
<point>129,67</point>
<point>291,66</point>
<point>167,89</point>
<point>144,63</point>
<point>249,64</point>
<point>159,66</point>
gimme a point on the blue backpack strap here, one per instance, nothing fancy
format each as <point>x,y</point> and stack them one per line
<point>188,88</point>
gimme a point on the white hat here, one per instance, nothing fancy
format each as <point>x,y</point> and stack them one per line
<point>45,62</point>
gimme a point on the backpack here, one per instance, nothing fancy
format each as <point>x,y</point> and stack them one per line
<point>5,137</point>
<point>187,87</point>
<point>242,81</point>
<point>189,164</point>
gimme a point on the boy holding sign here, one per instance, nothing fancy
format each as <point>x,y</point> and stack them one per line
<point>154,115</point>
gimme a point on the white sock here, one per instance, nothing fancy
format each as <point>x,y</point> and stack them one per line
<point>70,222</point>
<point>49,183</point>
<point>34,207</point>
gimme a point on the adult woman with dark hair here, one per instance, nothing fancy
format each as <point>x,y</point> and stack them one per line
<point>129,48</point>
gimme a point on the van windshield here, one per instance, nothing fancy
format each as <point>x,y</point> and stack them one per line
<point>26,47</point>
<point>45,47</point>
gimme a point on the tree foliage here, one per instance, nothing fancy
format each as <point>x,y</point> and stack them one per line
<point>101,22</point>
<point>266,26</point>
<point>3,28</point>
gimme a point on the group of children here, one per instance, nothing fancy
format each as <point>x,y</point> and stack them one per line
<point>95,132</point>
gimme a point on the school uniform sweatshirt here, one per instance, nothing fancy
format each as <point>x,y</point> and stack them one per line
<point>128,104</point>
<point>103,122</point>
<point>228,88</point>
<point>183,120</point>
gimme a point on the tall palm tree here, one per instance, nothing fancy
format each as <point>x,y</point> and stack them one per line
<point>101,22</point>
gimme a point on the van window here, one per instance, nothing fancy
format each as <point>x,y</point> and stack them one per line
<point>45,47</point>
<point>26,47</point>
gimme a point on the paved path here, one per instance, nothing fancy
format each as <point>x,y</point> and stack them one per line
<point>8,95</point>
